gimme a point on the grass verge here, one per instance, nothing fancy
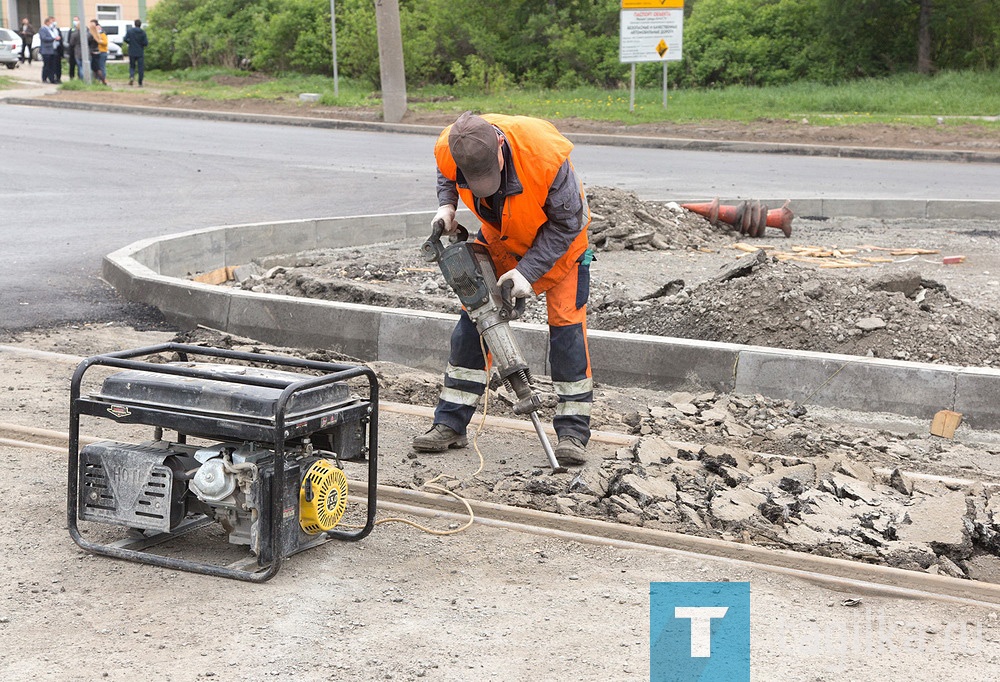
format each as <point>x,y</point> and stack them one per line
<point>907,98</point>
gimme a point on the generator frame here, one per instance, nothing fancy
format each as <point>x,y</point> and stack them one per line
<point>274,431</point>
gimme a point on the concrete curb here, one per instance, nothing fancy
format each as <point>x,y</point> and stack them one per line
<point>879,153</point>
<point>153,271</point>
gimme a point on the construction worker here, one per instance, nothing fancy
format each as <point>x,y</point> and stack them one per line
<point>514,173</point>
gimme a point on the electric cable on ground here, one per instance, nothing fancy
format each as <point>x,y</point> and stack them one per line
<point>431,484</point>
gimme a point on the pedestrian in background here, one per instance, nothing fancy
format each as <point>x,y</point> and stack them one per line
<point>49,39</point>
<point>73,45</point>
<point>59,49</point>
<point>27,32</point>
<point>98,42</point>
<point>136,39</point>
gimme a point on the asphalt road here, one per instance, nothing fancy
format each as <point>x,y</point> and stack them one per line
<point>77,185</point>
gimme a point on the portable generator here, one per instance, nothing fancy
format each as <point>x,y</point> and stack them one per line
<point>260,442</point>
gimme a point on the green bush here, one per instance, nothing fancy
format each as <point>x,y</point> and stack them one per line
<point>500,46</point>
<point>193,33</point>
<point>297,37</point>
<point>741,42</point>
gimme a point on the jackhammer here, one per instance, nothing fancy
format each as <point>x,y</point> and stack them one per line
<point>469,271</point>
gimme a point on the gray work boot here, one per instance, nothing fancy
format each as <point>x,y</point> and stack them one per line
<point>438,439</point>
<point>570,451</point>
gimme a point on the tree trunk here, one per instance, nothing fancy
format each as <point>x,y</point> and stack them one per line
<point>924,65</point>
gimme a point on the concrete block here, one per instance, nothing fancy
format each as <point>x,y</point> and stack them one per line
<point>938,522</point>
<point>305,323</point>
<point>246,242</point>
<point>187,304</point>
<point>145,252</point>
<point>366,229</point>
<point>192,252</point>
<point>661,363</point>
<point>977,397</point>
<point>865,384</point>
<point>419,340</point>
<point>800,207</point>
<point>533,340</point>
<point>129,277</point>
<point>875,208</point>
<point>963,210</point>
<point>419,224</point>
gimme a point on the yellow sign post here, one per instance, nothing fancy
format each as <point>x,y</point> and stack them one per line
<point>651,31</point>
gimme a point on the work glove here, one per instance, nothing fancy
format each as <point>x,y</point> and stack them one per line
<point>447,214</point>
<point>521,286</point>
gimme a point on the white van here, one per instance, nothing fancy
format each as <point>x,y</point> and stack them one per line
<point>116,28</point>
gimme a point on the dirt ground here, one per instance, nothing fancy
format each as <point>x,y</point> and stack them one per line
<point>485,604</point>
<point>488,603</point>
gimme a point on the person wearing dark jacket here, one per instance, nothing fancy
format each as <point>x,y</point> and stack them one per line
<point>137,41</point>
<point>49,37</point>
<point>60,49</point>
<point>73,45</point>
<point>27,32</point>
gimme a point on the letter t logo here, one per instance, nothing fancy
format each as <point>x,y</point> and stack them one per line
<point>701,626</point>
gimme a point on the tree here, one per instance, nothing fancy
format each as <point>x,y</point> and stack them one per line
<point>488,46</point>
<point>749,42</point>
<point>924,38</point>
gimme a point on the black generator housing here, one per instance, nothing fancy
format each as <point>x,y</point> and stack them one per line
<point>268,435</point>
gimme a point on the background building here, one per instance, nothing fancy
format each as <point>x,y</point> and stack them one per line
<point>11,11</point>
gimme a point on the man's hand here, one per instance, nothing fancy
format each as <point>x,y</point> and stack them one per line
<point>446,213</point>
<point>521,286</point>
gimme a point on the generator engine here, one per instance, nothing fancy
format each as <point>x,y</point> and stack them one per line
<point>155,486</point>
<point>258,451</point>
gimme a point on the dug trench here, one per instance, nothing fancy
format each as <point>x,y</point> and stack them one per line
<point>745,468</point>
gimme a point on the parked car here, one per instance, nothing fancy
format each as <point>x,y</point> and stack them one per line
<point>10,48</point>
<point>114,50</point>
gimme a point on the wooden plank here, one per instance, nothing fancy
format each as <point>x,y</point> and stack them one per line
<point>217,276</point>
<point>945,422</point>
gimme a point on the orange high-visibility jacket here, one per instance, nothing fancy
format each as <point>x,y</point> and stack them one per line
<point>538,151</point>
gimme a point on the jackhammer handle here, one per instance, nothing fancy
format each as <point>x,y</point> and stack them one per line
<point>461,234</point>
<point>432,248</point>
<point>514,306</point>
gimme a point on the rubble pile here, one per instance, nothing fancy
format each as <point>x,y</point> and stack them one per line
<point>823,497</point>
<point>885,310</point>
<point>395,274</point>
<point>759,301</point>
<point>620,221</point>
